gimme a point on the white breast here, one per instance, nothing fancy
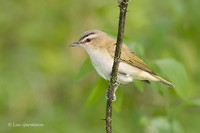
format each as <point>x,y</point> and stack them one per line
<point>101,61</point>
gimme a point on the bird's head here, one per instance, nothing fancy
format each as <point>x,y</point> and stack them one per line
<point>92,39</point>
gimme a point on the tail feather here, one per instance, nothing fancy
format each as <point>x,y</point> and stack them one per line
<point>164,81</point>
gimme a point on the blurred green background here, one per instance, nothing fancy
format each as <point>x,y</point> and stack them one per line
<point>43,80</point>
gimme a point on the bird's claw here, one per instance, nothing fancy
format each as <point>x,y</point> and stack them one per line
<point>114,97</point>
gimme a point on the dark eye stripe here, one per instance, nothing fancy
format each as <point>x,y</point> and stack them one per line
<point>84,36</point>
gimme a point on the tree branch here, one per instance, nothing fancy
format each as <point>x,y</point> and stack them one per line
<point>123,4</point>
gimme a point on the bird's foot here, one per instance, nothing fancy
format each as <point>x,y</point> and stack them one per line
<point>114,96</point>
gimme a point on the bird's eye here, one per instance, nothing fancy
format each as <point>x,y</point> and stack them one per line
<point>88,40</point>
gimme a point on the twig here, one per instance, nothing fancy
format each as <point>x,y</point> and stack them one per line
<point>123,4</point>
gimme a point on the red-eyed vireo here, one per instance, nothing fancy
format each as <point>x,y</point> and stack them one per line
<point>101,48</point>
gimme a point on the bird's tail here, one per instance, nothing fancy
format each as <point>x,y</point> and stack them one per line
<point>164,81</point>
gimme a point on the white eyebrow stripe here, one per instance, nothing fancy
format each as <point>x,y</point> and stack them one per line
<point>90,37</point>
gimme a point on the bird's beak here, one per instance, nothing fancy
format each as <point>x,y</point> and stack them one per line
<point>74,44</point>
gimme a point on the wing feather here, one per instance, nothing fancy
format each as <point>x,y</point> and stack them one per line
<point>129,57</point>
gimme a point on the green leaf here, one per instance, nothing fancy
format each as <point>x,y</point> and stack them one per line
<point>177,109</point>
<point>97,91</point>
<point>196,102</point>
<point>176,73</point>
<point>85,69</point>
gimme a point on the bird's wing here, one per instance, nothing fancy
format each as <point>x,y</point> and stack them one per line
<point>129,57</point>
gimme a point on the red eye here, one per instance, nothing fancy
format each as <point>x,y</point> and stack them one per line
<point>88,40</point>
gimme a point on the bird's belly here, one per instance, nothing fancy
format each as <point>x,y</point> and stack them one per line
<point>102,64</point>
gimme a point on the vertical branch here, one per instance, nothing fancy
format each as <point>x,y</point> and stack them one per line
<point>123,4</point>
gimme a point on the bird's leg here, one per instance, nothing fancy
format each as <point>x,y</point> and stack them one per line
<point>114,97</point>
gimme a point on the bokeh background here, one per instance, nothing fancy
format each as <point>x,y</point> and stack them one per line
<point>43,80</point>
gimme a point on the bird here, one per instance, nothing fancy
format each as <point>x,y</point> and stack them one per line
<point>101,49</point>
